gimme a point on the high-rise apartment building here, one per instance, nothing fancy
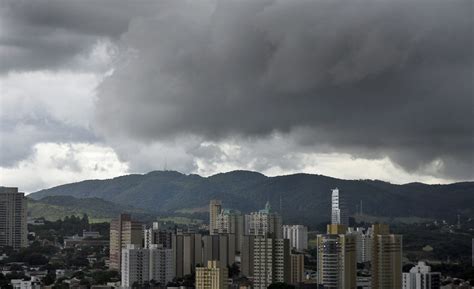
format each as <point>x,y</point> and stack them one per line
<point>214,276</point>
<point>386,261</point>
<point>220,248</point>
<point>247,255</point>
<point>190,250</point>
<point>337,266</point>
<point>296,268</point>
<point>135,263</point>
<point>145,264</point>
<point>123,231</point>
<point>298,236</point>
<point>271,261</point>
<point>421,277</point>
<point>187,253</point>
<point>13,215</point>
<point>264,223</point>
<point>231,222</point>
<point>155,235</point>
<point>215,207</point>
<point>363,243</point>
<point>338,208</point>
<point>161,264</point>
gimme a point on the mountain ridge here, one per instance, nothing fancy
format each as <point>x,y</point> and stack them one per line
<point>300,197</point>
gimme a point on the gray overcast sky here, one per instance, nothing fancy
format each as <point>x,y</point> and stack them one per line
<point>353,89</point>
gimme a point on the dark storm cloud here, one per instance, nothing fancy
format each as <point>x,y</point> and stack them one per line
<point>49,34</point>
<point>372,77</point>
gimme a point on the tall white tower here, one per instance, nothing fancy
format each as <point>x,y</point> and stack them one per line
<point>338,209</point>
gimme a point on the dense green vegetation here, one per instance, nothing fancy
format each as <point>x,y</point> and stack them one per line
<point>304,198</point>
<point>440,243</point>
<point>58,207</point>
<point>44,252</point>
<point>68,226</point>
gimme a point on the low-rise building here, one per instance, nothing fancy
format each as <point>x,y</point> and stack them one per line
<point>421,277</point>
<point>34,283</point>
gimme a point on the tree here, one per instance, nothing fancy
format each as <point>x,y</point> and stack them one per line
<point>36,259</point>
<point>85,219</point>
<point>233,270</point>
<point>79,275</point>
<point>4,282</point>
<point>85,282</point>
<point>281,285</point>
<point>49,278</point>
<point>61,286</point>
<point>79,262</point>
<point>102,277</point>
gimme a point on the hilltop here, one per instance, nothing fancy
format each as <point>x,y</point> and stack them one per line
<point>302,198</point>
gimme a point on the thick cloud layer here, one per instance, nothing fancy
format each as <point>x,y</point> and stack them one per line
<point>352,89</point>
<point>372,78</point>
<point>58,34</point>
<point>38,107</point>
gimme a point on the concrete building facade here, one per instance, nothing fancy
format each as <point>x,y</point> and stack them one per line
<point>13,218</point>
<point>187,253</point>
<point>213,276</point>
<point>33,283</point>
<point>140,265</point>
<point>264,223</point>
<point>296,268</point>
<point>220,248</point>
<point>231,222</point>
<point>298,236</point>
<point>338,208</point>
<point>123,232</point>
<point>421,277</point>
<point>337,264</point>
<point>154,235</point>
<point>215,207</point>
<point>271,261</point>
<point>363,243</point>
<point>247,255</point>
<point>386,261</point>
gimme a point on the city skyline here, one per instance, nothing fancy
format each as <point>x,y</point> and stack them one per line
<point>89,90</point>
<point>236,144</point>
<point>256,249</point>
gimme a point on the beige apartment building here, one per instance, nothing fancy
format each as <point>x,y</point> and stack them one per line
<point>214,276</point>
<point>296,268</point>
<point>13,215</point>
<point>123,231</point>
<point>386,258</point>
<point>215,207</point>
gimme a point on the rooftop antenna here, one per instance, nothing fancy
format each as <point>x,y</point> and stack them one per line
<point>165,168</point>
